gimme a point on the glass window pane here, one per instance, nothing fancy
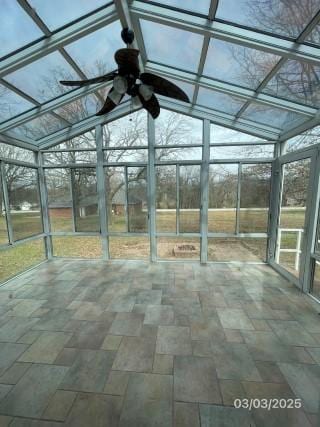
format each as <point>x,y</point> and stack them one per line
<point>315,290</point>
<point>17,28</point>
<point>40,78</point>
<point>197,6</point>
<point>310,137</point>
<point>242,152</point>
<point>127,156</point>
<point>129,131</point>
<point>254,199</point>
<point>58,182</point>
<point>219,101</point>
<point>171,46</point>
<point>273,16</point>
<point>189,199</point>
<point>297,81</point>
<point>24,201</point>
<point>291,228</point>
<point>3,222</point>
<point>277,117</point>
<point>237,249</point>
<point>137,200</point>
<point>177,248</point>
<point>77,246</point>
<point>16,259</point>
<point>79,110</point>
<point>177,129</point>
<point>85,140</point>
<point>314,36</point>
<point>223,187</point>
<point>101,45</point>
<point>238,64</point>
<point>85,199</point>
<point>11,104</point>
<point>39,127</point>
<point>116,199</point>
<point>72,9</point>
<point>220,134</point>
<point>61,158</point>
<point>129,247</point>
<point>185,153</point>
<point>16,153</point>
<point>166,198</point>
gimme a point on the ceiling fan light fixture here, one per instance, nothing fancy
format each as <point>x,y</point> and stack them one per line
<point>146,91</point>
<point>120,84</point>
<point>115,96</point>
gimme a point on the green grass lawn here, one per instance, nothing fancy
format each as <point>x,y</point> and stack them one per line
<point>17,259</point>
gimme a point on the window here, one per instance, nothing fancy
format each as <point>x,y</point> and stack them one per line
<point>189,199</point>
<point>3,222</point>
<point>166,199</point>
<point>85,199</point>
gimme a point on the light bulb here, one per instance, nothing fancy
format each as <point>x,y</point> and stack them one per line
<point>120,84</point>
<point>146,91</point>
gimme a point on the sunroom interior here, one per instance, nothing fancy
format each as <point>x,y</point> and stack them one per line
<point>145,249</point>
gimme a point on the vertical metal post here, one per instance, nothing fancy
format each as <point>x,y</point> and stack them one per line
<point>6,203</point>
<point>275,196</point>
<point>178,199</point>
<point>44,206</point>
<point>238,198</point>
<point>204,183</point>
<point>126,198</point>
<point>152,188</point>
<point>74,211</point>
<point>101,190</point>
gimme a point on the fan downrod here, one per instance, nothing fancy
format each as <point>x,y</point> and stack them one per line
<point>127,35</point>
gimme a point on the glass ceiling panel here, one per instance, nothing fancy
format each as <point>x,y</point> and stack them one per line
<point>197,6</point>
<point>78,110</point>
<point>238,64</point>
<point>11,104</point>
<point>297,81</point>
<point>40,79</point>
<point>285,18</point>
<point>220,134</point>
<point>171,46</point>
<point>39,127</point>
<point>95,53</point>
<point>219,101</point>
<point>72,9</point>
<point>314,36</point>
<point>277,117</point>
<point>17,28</point>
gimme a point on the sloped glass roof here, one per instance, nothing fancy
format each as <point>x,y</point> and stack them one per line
<point>246,64</point>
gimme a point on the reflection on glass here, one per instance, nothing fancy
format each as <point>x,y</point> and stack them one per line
<point>291,226</point>
<point>11,104</point>
<point>277,117</point>
<point>116,198</point>
<point>40,78</point>
<point>310,137</point>
<point>254,199</point>
<point>238,64</point>
<point>223,184</point>
<point>297,81</point>
<point>220,134</point>
<point>85,199</point>
<point>58,182</point>
<point>242,249</point>
<point>189,199</point>
<point>314,36</point>
<point>94,53</point>
<point>242,152</point>
<point>71,10</point>
<point>3,222</point>
<point>274,16</point>
<point>177,129</point>
<point>129,131</point>
<point>17,28</point>
<point>219,101</point>
<point>79,110</point>
<point>39,127</point>
<point>201,7</point>
<point>137,200</point>
<point>171,46</point>
<point>24,201</point>
<point>166,198</point>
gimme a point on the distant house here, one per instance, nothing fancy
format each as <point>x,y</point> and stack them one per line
<point>135,203</point>
<point>63,208</point>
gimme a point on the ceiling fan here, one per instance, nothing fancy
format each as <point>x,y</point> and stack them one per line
<point>128,79</point>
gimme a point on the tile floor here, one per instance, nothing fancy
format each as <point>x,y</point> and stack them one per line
<point>89,343</point>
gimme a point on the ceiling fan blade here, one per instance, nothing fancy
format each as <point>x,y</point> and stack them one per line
<point>152,106</point>
<point>109,104</point>
<point>127,59</point>
<point>87,82</point>
<point>164,87</point>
